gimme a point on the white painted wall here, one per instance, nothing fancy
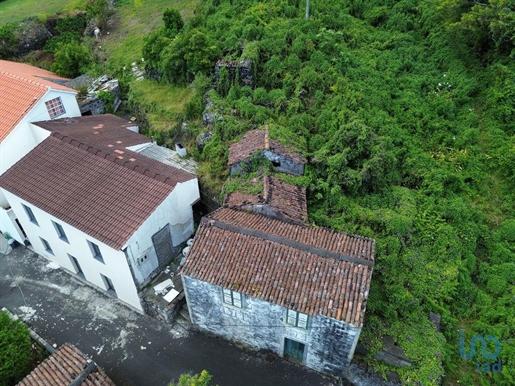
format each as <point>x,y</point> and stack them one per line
<point>175,210</point>
<point>115,264</point>
<point>8,224</point>
<point>23,138</point>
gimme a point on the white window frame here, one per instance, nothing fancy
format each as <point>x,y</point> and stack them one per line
<point>95,251</point>
<point>55,107</point>
<point>46,245</point>
<point>232,298</point>
<point>60,232</point>
<point>30,214</point>
<point>297,319</point>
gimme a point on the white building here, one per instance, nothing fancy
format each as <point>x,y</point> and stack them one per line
<point>106,213</point>
<point>28,94</point>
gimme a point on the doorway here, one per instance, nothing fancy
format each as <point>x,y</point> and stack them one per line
<point>294,350</point>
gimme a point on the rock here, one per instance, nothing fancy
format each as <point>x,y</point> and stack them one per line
<point>90,28</point>
<point>436,319</point>
<point>210,116</point>
<point>34,35</point>
<point>361,349</point>
<point>202,139</point>
<point>393,377</point>
<point>243,68</point>
<point>392,354</point>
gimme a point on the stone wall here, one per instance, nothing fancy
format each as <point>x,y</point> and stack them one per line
<point>243,69</point>
<point>329,344</point>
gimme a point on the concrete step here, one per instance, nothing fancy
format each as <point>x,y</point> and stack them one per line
<point>185,314</point>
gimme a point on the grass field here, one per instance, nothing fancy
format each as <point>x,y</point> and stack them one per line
<point>134,20</point>
<point>13,11</point>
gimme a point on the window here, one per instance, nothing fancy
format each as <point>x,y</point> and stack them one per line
<point>60,231</point>
<point>296,319</point>
<point>108,284</point>
<point>76,266</point>
<point>30,214</point>
<point>233,298</point>
<point>46,246</point>
<point>55,107</point>
<point>95,251</point>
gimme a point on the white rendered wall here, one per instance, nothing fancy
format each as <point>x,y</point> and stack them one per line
<point>115,265</point>
<point>23,138</point>
<point>174,210</point>
<point>8,224</point>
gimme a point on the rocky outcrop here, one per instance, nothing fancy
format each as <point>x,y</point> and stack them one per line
<point>241,70</point>
<point>392,354</point>
<point>33,36</point>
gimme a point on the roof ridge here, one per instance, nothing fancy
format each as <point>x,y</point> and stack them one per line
<point>19,77</point>
<point>288,242</point>
<point>131,165</point>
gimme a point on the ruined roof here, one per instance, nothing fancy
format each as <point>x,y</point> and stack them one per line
<point>21,87</point>
<point>104,196</point>
<point>308,269</point>
<point>65,365</point>
<point>256,140</point>
<point>285,201</point>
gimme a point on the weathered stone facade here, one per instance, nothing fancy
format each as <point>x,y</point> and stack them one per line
<point>329,343</point>
<point>241,70</point>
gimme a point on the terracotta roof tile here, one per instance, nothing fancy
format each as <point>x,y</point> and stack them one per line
<point>62,367</point>
<point>285,202</point>
<point>21,87</point>
<point>104,200</point>
<point>312,270</point>
<point>256,140</point>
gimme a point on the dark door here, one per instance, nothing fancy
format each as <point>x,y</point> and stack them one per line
<point>293,350</point>
<point>163,245</point>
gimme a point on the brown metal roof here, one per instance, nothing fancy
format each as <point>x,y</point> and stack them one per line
<point>62,367</point>
<point>287,200</point>
<point>312,270</point>
<point>21,87</point>
<point>256,140</point>
<point>105,197</point>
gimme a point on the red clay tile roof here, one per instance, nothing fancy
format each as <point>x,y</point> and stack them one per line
<point>108,137</point>
<point>311,270</point>
<point>256,140</point>
<point>287,202</point>
<point>62,367</point>
<point>103,197</point>
<point>21,87</point>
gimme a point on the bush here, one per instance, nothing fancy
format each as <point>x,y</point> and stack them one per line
<point>15,355</point>
<point>71,60</point>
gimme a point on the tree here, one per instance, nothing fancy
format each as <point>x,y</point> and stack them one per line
<point>15,355</point>
<point>173,22</point>
<point>201,379</point>
<point>71,59</point>
<point>99,10</point>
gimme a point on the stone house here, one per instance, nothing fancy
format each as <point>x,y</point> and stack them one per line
<point>28,94</point>
<point>257,142</point>
<point>296,290</point>
<point>88,201</point>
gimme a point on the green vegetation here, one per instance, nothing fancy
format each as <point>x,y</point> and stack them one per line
<point>16,354</point>
<point>405,112</point>
<point>133,21</point>
<point>201,379</point>
<point>14,11</point>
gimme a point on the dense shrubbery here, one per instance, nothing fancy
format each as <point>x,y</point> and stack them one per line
<point>15,352</point>
<point>408,127</point>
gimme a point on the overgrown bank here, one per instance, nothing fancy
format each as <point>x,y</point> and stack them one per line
<point>405,116</point>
